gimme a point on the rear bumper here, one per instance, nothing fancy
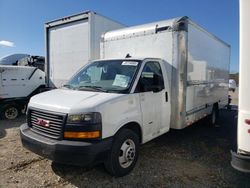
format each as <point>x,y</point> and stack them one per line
<point>64,151</point>
<point>240,162</point>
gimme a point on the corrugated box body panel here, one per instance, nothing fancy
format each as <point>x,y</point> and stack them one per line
<point>71,42</point>
<point>139,41</point>
<point>207,68</point>
<point>139,47</point>
<point>68,50</point>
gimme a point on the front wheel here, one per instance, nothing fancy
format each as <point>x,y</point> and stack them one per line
<point>124,153</point>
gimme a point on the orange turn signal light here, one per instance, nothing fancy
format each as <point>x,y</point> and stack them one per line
<point>92,134</point>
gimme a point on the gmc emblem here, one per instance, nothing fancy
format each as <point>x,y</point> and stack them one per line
<point>42,122</point>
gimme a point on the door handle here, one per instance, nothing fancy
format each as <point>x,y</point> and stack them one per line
<point>166,96</point>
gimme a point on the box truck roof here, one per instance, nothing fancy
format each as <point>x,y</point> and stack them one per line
<point>76,17</point>
<point>179,23</point>
<point>140,29</point>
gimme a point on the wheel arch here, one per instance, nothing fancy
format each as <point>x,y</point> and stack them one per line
<point>135,127</point>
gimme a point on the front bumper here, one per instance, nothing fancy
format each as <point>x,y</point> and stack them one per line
<point>78,153</point>
<point>240,162</point>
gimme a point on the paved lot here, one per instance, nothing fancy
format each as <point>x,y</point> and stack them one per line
<point>198,156</point>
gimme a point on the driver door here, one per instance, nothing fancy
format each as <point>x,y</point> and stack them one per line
<point>154,102</point>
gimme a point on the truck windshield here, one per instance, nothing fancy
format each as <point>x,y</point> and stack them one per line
<point>105,76</point>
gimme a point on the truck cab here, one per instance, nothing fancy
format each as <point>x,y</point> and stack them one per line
<point>104,99</point>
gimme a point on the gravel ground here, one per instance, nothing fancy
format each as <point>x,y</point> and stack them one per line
<point>198,156</point>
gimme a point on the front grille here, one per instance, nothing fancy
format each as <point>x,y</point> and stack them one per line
<point>53,123</point>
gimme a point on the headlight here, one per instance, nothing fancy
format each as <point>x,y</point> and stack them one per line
<point>89,118</point>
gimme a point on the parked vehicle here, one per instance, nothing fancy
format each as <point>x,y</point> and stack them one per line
<point>71,42</point>
<point>12,59</point>
<point>114,104</point>
<point>19,83</point>
<point>23,60</point>
<point>34,61</point>
<point>241,157</point>
<point>232,85</point>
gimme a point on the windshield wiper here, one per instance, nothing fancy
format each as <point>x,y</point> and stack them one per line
<point>96,88</point>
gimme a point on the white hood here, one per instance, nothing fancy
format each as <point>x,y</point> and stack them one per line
<point>71,101</point>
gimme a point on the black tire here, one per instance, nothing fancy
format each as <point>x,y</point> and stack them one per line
<point>213,117</point>
<point>113,163</point>
<point>10,111</point>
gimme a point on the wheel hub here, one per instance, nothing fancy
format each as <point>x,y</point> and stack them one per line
<point>127,153</point>
<point>130,154</point>
<point>11,113</point>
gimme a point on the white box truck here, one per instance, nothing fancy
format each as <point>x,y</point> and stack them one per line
<point>241,157</point>
<point>151,78</point>
<point>71,42</point>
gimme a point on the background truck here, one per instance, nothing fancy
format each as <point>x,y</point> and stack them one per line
<point>241,157</point>
<point>12,59</point>
<point>18,83</point>
<point>232,85</point>
<point>150,78</point>
<point>71,42</point>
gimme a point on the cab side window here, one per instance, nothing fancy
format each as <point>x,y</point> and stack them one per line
<point>151,78</point>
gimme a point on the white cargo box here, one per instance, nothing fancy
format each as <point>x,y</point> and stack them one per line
<point>197,63</point>
<point>71,42</point>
